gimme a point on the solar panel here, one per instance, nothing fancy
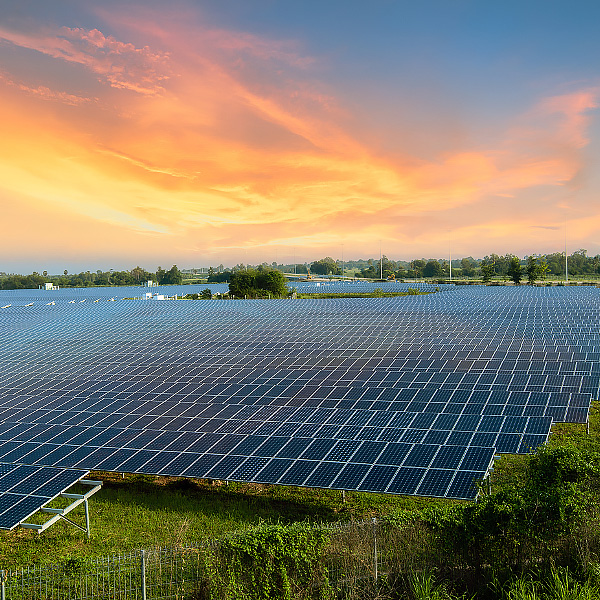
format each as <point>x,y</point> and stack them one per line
<point>24,489</point>
<point>297,392</point>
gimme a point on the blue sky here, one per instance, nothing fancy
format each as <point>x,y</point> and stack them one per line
<point>208,132</point>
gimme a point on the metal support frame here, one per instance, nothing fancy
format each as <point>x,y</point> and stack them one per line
<point>487,478</point>
<point>61,513</point>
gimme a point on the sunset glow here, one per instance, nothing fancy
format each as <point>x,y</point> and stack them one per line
<point>164,133</point>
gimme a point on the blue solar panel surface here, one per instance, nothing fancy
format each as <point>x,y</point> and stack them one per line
<point>408,395</point>
<point>24,489</point>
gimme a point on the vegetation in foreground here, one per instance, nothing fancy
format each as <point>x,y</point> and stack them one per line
<point>536,535</point>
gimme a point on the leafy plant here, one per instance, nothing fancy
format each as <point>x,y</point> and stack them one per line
<point>423,587</point>
<point>270,562</point>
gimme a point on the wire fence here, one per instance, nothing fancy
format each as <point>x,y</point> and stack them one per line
<point>356,557</point>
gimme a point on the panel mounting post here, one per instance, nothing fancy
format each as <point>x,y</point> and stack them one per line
<point>87,519</point>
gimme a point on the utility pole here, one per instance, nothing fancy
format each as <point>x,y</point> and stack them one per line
<point>380,262</point>
<point>566,256</point>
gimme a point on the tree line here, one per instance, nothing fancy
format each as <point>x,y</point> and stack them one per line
<point>488,267</point>
<point>136,276</point>
<point>491,266</point>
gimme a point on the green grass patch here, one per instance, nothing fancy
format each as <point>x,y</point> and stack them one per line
<point>145,511</point>
<point>373,294</point>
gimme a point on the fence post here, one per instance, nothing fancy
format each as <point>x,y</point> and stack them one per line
<point>375,547</point>
<point>2,588</point>
<point>143,566</point>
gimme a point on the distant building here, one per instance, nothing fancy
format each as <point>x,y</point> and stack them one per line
<point>151,296</point>
<point>49,286</point>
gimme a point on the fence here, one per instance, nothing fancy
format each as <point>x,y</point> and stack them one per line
<point>356,557</point>
<point>147,574</point>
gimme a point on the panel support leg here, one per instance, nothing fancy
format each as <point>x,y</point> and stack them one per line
<point>87,519</point>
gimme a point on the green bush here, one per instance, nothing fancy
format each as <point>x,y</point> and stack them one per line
<point>270,562</point>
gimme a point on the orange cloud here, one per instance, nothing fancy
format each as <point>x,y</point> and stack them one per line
<point>231,142</point>
<point>122,65</point>
<point>45,92</point>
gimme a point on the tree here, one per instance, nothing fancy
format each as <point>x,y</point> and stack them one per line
<point>467,267</point>
<point>515,271</point>
<point>138,274</point>
<point>532,270</point>
<point>535,269</point>
<point>101,278</point>
<point>433,269</point>
<point>206,294</point>
<point>416,268</point>
<point>400,272</point>
<point>324,266</point>
<point>222,277</point>
<point>487,271</point>
<point>272,281</point>
<point>122,278</point>
<point>254,283</point>
<point>173,276</point>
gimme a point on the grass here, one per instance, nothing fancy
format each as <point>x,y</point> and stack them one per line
<point>144,511</point>
<point>365,294</point>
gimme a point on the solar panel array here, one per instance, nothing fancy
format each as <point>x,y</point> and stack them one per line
<point>24,489</point>
<point>20,298</point>
<point>409,395</point>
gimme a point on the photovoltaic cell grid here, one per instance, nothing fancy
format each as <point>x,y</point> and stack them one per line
<point>24,489</point>
<point>483,368</point>
<point>74,295</point>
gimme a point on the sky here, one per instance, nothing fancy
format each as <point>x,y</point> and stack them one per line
<point>244,131</point>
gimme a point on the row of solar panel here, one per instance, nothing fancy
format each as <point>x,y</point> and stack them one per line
<point>360,425</point>
<point>336,464</point>
<point>327,360</point>
<point>191,412</point>
<point>185,414</point>
<point>332,355</point>
<point>24,489</point>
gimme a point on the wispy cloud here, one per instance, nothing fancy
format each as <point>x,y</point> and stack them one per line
<point>45,92</point>
<point>120,64</point>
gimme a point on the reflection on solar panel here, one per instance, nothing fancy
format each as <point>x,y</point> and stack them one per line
<point>409,395</point>
<point>24,489</point>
